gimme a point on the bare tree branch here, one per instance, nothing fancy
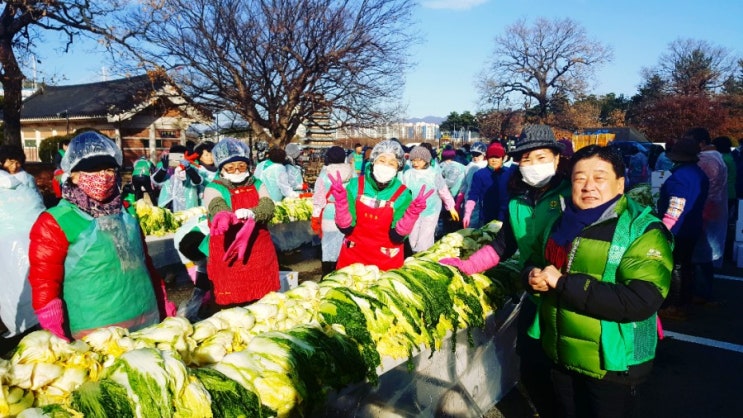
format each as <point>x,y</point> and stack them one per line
<point>276,62</point>
<point>540,60</point>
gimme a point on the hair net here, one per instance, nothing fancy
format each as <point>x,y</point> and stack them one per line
<point>479,147</point>
<point>293,150</point>
<point>389,146</point>
<point>88,145</point>
<point>229,150</point>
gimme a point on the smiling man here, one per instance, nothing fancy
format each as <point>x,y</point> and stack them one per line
<point>609,270</point>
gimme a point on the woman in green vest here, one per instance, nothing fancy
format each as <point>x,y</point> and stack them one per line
<point>538,191</point>
<point>607,271</point>
<point>88,262</point>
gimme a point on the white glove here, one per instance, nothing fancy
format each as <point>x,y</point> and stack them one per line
<point>244,214</point>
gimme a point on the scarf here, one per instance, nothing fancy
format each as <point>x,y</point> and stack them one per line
<point>572,222</point>
<point>77,197</point>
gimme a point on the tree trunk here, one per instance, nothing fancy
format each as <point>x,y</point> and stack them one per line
<point>12,81</point>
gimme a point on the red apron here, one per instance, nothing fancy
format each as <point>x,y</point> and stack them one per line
<point>242,281</point>
<point>370,243</point>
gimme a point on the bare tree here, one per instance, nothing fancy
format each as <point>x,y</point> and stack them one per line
<point>277,62</point>
<point>23,24</point>
<point>536,62</point>
<point>692,67</point>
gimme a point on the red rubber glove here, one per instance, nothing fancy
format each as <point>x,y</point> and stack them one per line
<point>239,246</point>
<point>338,190</point>
<point>316,223</point>
<point>481,260</point>
<point>51,318</point>
<point>405,225</point>
<point>222,222</point>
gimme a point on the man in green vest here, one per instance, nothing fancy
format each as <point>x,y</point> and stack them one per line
<point>607,270</point>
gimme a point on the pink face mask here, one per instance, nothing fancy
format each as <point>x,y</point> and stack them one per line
<point>98,186</point>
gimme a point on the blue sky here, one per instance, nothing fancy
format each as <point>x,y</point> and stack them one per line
<point>458,40</point>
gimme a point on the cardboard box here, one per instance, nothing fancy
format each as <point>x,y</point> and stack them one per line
<point>288,280</point>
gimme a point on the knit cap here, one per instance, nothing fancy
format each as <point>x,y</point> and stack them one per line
<point>420,152</point>
<point>335,155</point>
<point>495,150</point>
<point>448,154</point>
<point>535,137</point>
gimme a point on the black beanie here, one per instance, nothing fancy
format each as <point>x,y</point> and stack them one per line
<point>335,155</point>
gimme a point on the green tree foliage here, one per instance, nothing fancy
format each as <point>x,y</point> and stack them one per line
<point>456,122</point>
<point>49,146</point>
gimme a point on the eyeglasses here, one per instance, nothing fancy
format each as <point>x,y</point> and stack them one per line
<point>236,168</point>
<point>108,171</point>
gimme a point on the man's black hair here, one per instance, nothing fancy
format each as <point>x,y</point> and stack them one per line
<point>609,154</point>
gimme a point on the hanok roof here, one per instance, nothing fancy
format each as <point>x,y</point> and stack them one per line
<point>118,99</point>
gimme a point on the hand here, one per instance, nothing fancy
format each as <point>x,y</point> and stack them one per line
<point>185,163</point>
<point>418,204</point>
<point>222,222</point>
<point>164,161</point>
<point>538,280</point>
<point>51,318</point>
<point>316,223</point>
<point>469,206</point>
<point>239,246</point>
<point>454,262</point>
<point>244,214</point>
<point>454,215</point>
<point>337,189</point>
<point>466,221</point>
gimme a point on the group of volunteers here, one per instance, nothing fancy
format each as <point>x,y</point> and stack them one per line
<point>597,265</point>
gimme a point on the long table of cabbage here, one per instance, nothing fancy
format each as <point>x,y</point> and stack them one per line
<point>158,221</point>
<point>276,357</point>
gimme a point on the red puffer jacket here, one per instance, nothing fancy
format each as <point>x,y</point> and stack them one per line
<point>46,255</point>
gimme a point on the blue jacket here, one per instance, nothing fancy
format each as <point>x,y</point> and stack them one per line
<point>490,190</point>
<point>687,182</point>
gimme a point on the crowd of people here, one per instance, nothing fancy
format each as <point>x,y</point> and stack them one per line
<point>599,267</point>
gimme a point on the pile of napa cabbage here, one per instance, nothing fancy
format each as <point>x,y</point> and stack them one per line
<point>277,357</point>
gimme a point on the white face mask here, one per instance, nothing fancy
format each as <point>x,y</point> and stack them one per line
<point>383,173</point>
<point>481,164</point>
<point>537,175</point>
<point>236,178</point>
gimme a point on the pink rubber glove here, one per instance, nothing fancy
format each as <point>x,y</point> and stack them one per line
<point>479,261</point>
<point>222,222</point>
<point>405,225</point>
<point>51,318</point>
<point>669,221</point>
<point>342,214</point>
<point>239,246</point>
<point>468,208</point>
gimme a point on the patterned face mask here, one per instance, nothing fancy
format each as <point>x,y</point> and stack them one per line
<point>98,185</point>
